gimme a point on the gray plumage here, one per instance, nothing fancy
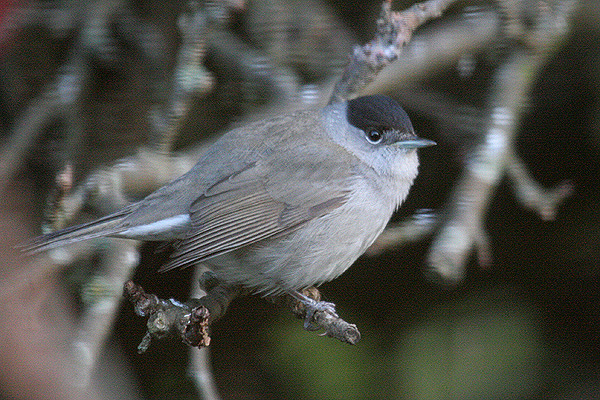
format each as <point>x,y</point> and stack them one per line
<point>281,204</point>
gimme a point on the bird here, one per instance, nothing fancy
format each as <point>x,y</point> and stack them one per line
<point>281,204</point>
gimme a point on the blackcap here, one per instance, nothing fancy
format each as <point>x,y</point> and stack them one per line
<point>281,204</point>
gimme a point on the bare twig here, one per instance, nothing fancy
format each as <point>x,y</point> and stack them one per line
<point>394,30</point>
<point>438,47</point>
<point>532,195</point>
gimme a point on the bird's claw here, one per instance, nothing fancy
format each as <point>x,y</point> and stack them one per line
<point>312,307</point>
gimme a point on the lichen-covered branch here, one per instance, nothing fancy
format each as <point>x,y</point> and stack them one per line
<point>190,321</point>
<point>437,48</point>
<point>394,31</point>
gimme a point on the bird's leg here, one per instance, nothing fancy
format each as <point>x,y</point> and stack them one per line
<point>311,306</point>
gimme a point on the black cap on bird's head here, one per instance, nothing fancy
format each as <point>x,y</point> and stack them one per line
<point>384,121</point>
<point>378,112</point>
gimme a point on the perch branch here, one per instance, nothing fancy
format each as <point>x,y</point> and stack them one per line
<point>190,321</point>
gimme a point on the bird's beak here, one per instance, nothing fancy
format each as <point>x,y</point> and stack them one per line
<point>415,143</point>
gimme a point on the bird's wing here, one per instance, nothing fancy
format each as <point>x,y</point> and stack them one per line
<point>269,197</point>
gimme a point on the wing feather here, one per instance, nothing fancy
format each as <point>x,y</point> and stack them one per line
<point>237,218</point>
<point>269,196</point>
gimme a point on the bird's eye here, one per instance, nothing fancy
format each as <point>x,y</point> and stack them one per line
<point>374,135</point>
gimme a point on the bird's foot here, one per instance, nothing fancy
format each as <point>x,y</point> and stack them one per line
<point>312,306</point>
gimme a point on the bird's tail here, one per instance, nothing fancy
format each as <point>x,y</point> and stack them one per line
<point>105,226</point>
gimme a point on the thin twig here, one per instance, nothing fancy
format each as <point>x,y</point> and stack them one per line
<point>532,195</point>
<point>394,31</point>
